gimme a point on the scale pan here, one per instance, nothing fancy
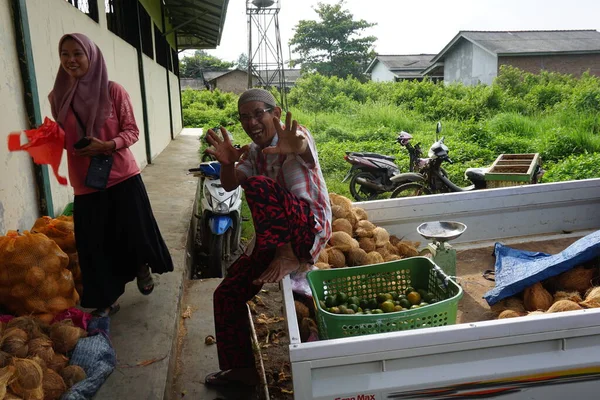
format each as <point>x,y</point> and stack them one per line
<point>442,231</point>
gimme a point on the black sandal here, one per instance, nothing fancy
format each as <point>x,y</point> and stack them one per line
<point>220,379</point>
<point>145,283</point>
<point>106,312</point>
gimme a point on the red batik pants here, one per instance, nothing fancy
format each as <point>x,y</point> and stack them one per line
<point>279,218</point>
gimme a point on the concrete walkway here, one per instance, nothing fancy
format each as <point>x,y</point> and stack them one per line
<point>144,332</point>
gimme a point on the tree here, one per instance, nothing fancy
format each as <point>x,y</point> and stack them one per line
<point>192,67</point>
<point>333,46</point>
<point>242,61</point>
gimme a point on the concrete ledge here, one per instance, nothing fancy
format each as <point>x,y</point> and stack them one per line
<point>144,332</point>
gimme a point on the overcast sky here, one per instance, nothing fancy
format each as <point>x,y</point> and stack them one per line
<point>414,27</point>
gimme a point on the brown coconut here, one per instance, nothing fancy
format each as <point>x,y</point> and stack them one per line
<point>392,249</point>
<point>366,225</point>
<point>592,298</point>
<point>535,313</point>
<point>510,303</point>
<point>373,258</point>
<point>536,298</point>
<point>39,362</point>
<point>336,258</point>
<point>392,257</point>
<point>321,265</point>
<point>381,236</point>
<point>11,396</point>
<point>564,305</point>
<point>367,244</point>
<point>360,214</point>
<point>53,385</point>
<point>14,342</point>
<point>301,310</point>
<point>509,314</point>
<point>323,257</point>
<point>6,376</point>
<point>41,347</point>
<point>35,276</point>
<point>341,241</point>
<point>58,362</point>
<point>337,212</point>
<point>26,323</point>
<point>344,202</point>
<point>407,249</point>
<point>72,374</point>
<point>5,359</point>
<point>356,257</point>
<point>562,295</point>
<point>343,225</point>
<point>65,337</point>
<point>394,240</point>
<point>28,379</point>
<point>578,278</point>
<point>383,251</point>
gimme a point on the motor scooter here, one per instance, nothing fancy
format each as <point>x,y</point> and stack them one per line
<point>432,178</point>
<point>219,214</point>
<point>372,173</point>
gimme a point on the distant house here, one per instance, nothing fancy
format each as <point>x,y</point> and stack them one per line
<point>236,80</point>
<point>390,68</point>
<point>474,57</point>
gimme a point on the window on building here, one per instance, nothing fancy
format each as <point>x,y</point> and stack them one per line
<point>121,18</point>
<point>162,48</point>
<point>146,31</point>
<point>175,61</point>
<point>88,7</point>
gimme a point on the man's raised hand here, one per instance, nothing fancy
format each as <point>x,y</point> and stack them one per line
<point>290,141</point>
<point>222,149</point>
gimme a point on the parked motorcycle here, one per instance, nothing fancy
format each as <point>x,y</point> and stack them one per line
<point>373,173</point>
<point>220,217</point>
<point>432,178</point>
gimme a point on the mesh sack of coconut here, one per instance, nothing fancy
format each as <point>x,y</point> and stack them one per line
<point>34,279</point>
<point>516,270</point>
<point>62,231</point>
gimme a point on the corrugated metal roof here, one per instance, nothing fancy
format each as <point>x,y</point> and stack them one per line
<point>406,62</point>
<point>516,42</point>
<point>198,23</point>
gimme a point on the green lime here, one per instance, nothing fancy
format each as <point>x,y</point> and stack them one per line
<point>373,304</point>
<point>353,300</point>
<point>415,306</point>
<point>341,298</point>
<point>422,292</point>
<point>330,301</point>
<point>343,309</point>
<point>408,290</point>
<point>381,297</point>
<point>377,311</point>
<point>394,295</point>
<point>433,300</point>
<point>428,296</point>
<point>398,308</point>
<point>353,307</point>
<point>387,306</point>
<point>423,303</point>
<point>322,304</point>
<point>401,296</point>
<point>363,304</point>
<point>334,310</point>
<point>368,312</point>
<point>405,303</point>
<point>414,297</point>
<point>349,311</point>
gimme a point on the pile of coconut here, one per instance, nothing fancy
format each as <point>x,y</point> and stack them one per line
<point>34,359</point>
<point>356,241</point>
<point>569,291</point>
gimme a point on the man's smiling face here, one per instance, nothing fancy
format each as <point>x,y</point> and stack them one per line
<point>257,120</point>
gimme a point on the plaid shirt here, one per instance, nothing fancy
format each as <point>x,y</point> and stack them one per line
<point>302,179</point>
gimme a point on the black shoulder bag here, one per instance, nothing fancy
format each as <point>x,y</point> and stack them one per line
<point>100,165</point>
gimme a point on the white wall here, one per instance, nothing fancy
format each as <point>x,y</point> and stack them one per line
<point>381,73</point>
<point>18,201</point>
<point>175,104</point>
<point>158,106</point>
<point>485,66</point>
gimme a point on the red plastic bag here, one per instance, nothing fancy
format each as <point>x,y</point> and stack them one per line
<point>46,144</point>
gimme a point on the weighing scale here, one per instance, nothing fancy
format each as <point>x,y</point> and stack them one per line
<point>440,232</point>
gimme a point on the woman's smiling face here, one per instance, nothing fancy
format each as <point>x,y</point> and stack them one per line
<point>73,58</point>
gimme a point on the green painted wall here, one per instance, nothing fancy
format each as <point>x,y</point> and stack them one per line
<point>153,8</point>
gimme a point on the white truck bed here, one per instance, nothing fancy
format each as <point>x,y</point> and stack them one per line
<point>543,357</point>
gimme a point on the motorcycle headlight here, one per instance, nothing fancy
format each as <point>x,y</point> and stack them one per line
<point>222,208</point>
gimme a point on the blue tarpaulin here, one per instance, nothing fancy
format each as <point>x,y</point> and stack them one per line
<point>96,356</point>
<point>516,270</point>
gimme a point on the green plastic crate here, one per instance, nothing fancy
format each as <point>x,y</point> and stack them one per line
<point>368,281</point>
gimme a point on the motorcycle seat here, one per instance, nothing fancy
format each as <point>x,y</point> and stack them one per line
<point>374,155</point>
<point>476,174</point>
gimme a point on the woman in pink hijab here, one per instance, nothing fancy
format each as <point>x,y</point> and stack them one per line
<point>117,237</point>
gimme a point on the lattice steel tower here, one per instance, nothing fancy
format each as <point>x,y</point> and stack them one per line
<point>265,56</point>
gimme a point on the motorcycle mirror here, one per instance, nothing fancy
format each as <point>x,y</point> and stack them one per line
<point>438,129</point>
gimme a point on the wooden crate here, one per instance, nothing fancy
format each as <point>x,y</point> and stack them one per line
<point>512,170</point>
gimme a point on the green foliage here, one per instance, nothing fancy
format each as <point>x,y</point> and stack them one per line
<point>193,66</point>
<point>332,46</point>
<point>551,114</point>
